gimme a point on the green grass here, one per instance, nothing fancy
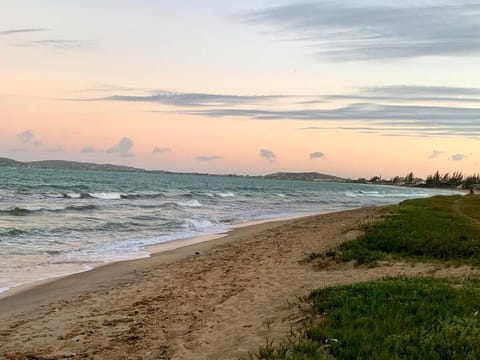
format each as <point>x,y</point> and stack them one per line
<point>398,318</point>
<point>445,228</point>
<point>469,206</point>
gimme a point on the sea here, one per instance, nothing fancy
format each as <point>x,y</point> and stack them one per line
<point>59,222</point>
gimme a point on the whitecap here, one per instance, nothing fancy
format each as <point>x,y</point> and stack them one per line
<point>73,195</point>
<point>3,289</point>
<point>55,195</point>
<point>376,194</point>
<point>106,196</point>
<point>191,203</point>
<point>198,223</point>
<point>226,194</point>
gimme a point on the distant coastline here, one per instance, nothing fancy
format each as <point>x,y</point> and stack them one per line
<point>456,181</point>
<point>76,165</point>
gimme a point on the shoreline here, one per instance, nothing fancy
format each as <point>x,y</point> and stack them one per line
<point>179,243</point>
<point>174,248</point>
<point>151,250</point>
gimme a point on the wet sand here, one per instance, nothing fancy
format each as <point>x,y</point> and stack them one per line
<point>217,299</point>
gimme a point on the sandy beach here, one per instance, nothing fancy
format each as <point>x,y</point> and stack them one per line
<point>218,299</point>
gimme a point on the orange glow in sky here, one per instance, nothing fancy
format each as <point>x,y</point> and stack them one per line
<point>210,84</point>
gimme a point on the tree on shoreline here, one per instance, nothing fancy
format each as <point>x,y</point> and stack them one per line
<point>457,179</point>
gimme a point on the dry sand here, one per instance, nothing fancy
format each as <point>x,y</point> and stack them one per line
<point>218,299</point>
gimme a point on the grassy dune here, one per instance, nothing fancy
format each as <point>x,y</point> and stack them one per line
<point>445,228</point>
<point>399,318</point>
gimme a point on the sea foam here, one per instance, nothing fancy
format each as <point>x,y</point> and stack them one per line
<point>191,203</point>
<point>106,195</point>
<point>3,289</point>
<point>198,223</point>
<point>226,194</point>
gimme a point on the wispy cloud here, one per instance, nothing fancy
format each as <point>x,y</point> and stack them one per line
<point>161,150</point>
<point>59,44</point>
<point>411,91</point>
<point>123,148</point>
<point>359,111</point>
<point>458,157</point>
<point>26,136</point>
<point>404,116</point>
<point>188,99</point>
<point>353,30</point>
<point>64,44</point>
<point>435,154</point>
<point>415,119</point>
<point>393,93</point>
<point>316,155</point>
<point>267,154</point>
<point>22,31</point>
<point>404,93</point>
<point>208,158</point>
<point>396,110</point>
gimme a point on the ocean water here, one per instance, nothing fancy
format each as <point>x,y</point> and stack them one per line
<point>54,223</point>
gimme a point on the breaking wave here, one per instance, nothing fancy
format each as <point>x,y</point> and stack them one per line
<point>226,194</point>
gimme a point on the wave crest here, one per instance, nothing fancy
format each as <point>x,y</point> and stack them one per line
<point>226,194</point>
<point>191,203</point>
<point>106,195</point>
<point>24,211</point>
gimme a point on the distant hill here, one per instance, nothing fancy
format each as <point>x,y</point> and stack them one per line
<point>66,165</point>
<point>75,165</point>
<point>10,162</point>
<point>306,176</point>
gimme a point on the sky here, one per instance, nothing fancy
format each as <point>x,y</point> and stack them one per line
<point>355,88</point>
